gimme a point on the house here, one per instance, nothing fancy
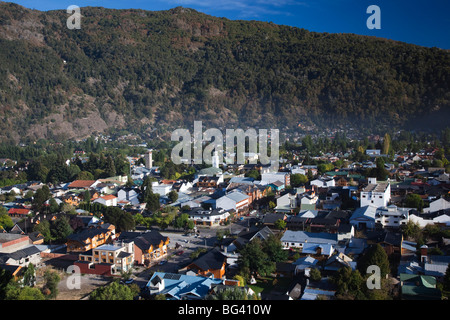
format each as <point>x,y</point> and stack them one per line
<point>22,257</point>
<point>269,219</point>
<point>390,241</point>
<point>323,182</point>
<point>364,217</point>
<point>268,178</point>
<point>236,201</point>
<point>19,212</point>
<point>10,242</point>
<point>83,184</point>
<point>162,189</point>
<point>208,182</point>
<point>309,200</point>
<point>304,263</point>
<point>313,289</point>
<point>249,234</point>
<point>320,243</point>
<point>180,287</point>
<point>392,216</point>
<point>148,246</point>
<point>90,238</point>
<point>337,261</point>
<point>418,287</point>
<point>376,194</point>
<point>286,203</point>
<point>106,259</point>
<point>108,200</point>
<point>212,217</point>
<point>209,264</point>
<point>277,186</point>
<point>437,205</point>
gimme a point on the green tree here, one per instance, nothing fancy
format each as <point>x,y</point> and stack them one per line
<point>273,247</point>
<point>50,288</point>
<point>413,200</point>
<point>375,255</point>
<point>253,259</point>
<point>173,196</point>
<point>315,274</point>
<point>349,284</point>
<point>5,220</point>
<point>298,180</point>
<point>234,293</point>
<point>122,220</point>
<point>113,291</point>
<point>60,229</point>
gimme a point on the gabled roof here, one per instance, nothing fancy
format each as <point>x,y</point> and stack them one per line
<point>143,240</point>
<point>81,184</point>
<point>212,260</point>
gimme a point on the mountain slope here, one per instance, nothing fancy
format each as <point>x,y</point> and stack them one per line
<point>142,70</point>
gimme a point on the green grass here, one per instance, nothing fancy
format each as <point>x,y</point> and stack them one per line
<point>266,284</point>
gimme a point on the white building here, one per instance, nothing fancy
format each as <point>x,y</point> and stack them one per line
<point>148,160</point>
<point>162,189</point>
<point>392,216</point>
<point>268,178</point>
<point>128,194</point>
<point>323,182</point>
<point>108,200</point>
<point>376,194</point>
<point>233,201</point>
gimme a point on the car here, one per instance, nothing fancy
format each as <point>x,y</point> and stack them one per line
<point>179,253</point>
<point>129,281</point>
<point>162,262</point>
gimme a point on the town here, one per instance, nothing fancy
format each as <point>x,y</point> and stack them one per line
<point>108,223</point>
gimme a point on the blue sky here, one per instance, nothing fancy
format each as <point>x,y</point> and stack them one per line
<point>425,23</point>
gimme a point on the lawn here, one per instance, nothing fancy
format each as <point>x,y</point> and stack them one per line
<point>270,283</point>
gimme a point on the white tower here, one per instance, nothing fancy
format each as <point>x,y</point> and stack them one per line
<point>148,160</point>
<point>215,160</point>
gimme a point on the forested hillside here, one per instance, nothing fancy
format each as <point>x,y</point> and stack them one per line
<point>143,70</point>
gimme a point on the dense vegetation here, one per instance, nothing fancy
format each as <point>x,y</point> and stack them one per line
<point>130,69</point>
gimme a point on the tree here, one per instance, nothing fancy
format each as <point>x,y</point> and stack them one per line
<point>50,288</point>
<point>315,274</point>
<point>280,224</point>
<point>153,202</point>
<point>349,283</point>
<point>413,200</point>
<point>60,229</point>
<point>122,220</point>
<point>113,291</point>
<point>375,255</point>
<point>298,180</point>
<point>234,293</point>
<point>446,282</point>
<point>5,220</point>
<point>173,196</point>
<point>253,259</point>
<point>273,247</point>
<point>386,144</point>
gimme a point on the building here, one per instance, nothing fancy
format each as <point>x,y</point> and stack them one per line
<point>181,287</point>
<point>210,264</point>
<point>107,260</point>
<point>211,217</point>
<point>108,200</point>
<point>314,243</point>
<point>236,201</point>
<point>90,238</point>
<point>148,246</point>
<point>392,216</point>
<point>376,194</point>
<point>268,178</point>
<point>12,242</point>
<point>148,159</point>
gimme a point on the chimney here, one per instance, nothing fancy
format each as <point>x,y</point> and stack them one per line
<point>424,254</point>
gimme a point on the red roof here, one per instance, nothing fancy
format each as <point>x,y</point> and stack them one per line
<point>81,184</point>
<point>18,211</point>
<point>108,197</point>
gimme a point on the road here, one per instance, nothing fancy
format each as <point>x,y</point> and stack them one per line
<point>206,239</point>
